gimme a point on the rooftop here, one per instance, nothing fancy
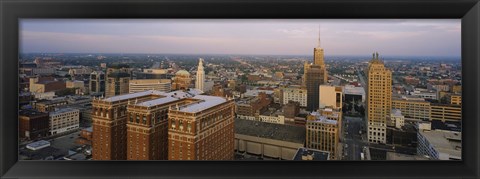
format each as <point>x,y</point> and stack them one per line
<point>444,141</point>
<point>311,154</point>
<point>322,119</point>
<point>38,144</point>
<point>281,132</point>
<point>204,102</point>
<point>63,110</point>
<point>31,113</point>
<point>399,156</point>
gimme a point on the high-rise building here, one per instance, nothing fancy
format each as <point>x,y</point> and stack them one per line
<point>147,126</point>
<point>109,118</point>
<point>97,82</point>
<point>202,129</point>
<point>295,94</point>
<point>323,134</point>
<point>163,85</point>
<point>379,99</point>
<point>315,74</point>
<point>118,80</point>
<point>199,83</point>
<point>330,96</point>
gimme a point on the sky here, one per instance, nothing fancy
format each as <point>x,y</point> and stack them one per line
<point>395,37</point>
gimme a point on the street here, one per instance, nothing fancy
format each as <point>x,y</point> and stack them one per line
<point>353,142</point>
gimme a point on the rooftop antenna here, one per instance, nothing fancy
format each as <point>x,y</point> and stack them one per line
<point>318,45</point>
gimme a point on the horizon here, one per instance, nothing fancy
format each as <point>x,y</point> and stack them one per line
<point>395,37</point>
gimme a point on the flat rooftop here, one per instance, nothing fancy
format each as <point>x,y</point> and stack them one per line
<point>444,141</point>
<point>311,154</point>
<point>322,119</point>
<point>295,134</point>
<point>189,92</point>
<point>63,110</point>
<point>204,102</point>
<point>399,156</point>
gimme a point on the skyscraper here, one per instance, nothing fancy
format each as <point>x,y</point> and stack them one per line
<point>97,82</point>
<point>379,99</point>
<point>199,83</point>
<point>315,74</point>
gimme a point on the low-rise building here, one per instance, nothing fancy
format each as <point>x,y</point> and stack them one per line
<point>64,120</point>
<point>163,85</point>
<point>32,124</point>
<point>440,144</point>
<point>295,94</point>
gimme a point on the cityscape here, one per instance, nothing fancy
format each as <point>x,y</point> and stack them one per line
<point>245,104</point>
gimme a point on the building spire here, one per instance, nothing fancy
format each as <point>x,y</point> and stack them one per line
<point>318,45</point>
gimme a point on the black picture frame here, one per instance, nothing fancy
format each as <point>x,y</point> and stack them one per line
<point>12,10</point>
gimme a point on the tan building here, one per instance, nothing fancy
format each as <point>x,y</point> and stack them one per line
<point>50,105</point>
<point>182,80</point>
<point>323,134</point>
<point>379,100</point>
<point>202,129</point>
<point>64,120</point>
<point>315,74</point>
<point>446,112</point>
<point>118,80</point>
<point>330,96</point>
<point>163,85</point>
<point>456,99</point>
<point>457,89</point>
<point>412,108</point>
<point>45,84</point>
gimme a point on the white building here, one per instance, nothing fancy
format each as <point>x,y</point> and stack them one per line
<point>64,120</point>
<point>440,144</point>
<point>352,91</point>
<point>276,117</point>
<point>397,118</point>
<point>200,81</point>
<point>140,85</point>
<point>295,94</point>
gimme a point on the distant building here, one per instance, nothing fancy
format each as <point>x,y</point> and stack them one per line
<point>97,82</point>
<point>200,76</point>
<point>182,80</point>
<point>291,109</point>
<point>323,134</point>
<point>456,99</point>
<point>251,107</point>
<point>163,85</point>
<point>311,154</point>
<point>118,80</point>
<point>50,105</point>
<point>315,74</point>
<point>412,108</point>
<point>379,100</point>
<point>397,118</point>
<point>32,124</point>
<point>446,112</point>
<point>79,71</point>
<point>295,94</point>
<point>440,145</point>
<point>64,120</point>
<point>330,96</point>
<point>45,84</point>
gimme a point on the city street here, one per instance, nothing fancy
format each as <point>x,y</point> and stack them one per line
<point>353,143</point>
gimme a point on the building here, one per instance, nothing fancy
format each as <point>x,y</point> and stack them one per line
<point>330,96</point>
<point>32,124</point>
<point>163,85</point>
<point>251,107</point>
<point>147,126</point>
<point>397,118</point>
<point>79,71</point>
<point>291,109</point>
<point>154,74</point>
<point>200,81</point>
<point>181,80</point>
<point>268,140</point>
<point>64,120</point>
<point>353,93</point>
<point>295,94</point>
<point>272,116</point>
<point>97,82</point>
<point>379,99</point>
<point>76,84</point>
<point>456,99</point>
<point>412,108</point>
<point>45,84</point>
<point>315,74</point>
<point>323,134</point>
<point>440,145</point>
<point>109,122</point>
<point>118,80</point>
<point>311,154</point>
<point>202,129</point>
<point>50,105</point>
<point>446,112</point>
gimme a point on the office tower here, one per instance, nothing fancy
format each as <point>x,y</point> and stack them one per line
<point>97,82</point>
<point>181,80</point>
<point>323,134</point>
<point>379,99</point>
<point>202,129</point>
<point>315,74</point>
<point>147,126</point>
<point>330,96</point>
<point>118,78</point>
<point>109,118</point>
<point>199,83</point>
<point>163,85</point>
